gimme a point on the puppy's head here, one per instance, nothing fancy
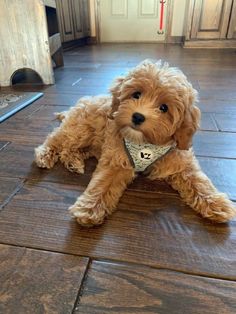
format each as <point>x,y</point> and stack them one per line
<point>154,104</point>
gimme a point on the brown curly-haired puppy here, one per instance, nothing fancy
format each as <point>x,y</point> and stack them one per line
<point>151,115</point>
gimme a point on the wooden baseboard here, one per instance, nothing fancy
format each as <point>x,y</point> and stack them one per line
<point>175,39</point>
<point>91,40</point>
<point>78,42</point>
<point>226,43</point>
<point>73,44</point>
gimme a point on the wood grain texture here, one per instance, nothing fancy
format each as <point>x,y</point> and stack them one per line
<point>17,161</point>
<point>218,104</point>
<point>226,122</point>
<point>3,144</point>
<point>27,131</point>
<point>210,19</point>
<point>215,94</point>
<point>219,82</point>
<point>8,187</point>
<point>208,123</point>
<point>120,288</point>
<point>31,51</point>
<point>148,228</point>
<point>79,89</point>
<point>211,43</point>
<point>65,20</point>
<point>222,172</point>
<point>215,144</point>
<point>58,58</point>
<point>47,112</point>
<point>54,43</point>
<point>232,24</point>
<point>74,20</point>
<point>58,100</point>
<point>38,282</point>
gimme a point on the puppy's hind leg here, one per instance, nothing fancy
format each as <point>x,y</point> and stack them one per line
<point>73,160</point>
<point>45,157</point>
<point>47,154</point>
<point>66,142</point>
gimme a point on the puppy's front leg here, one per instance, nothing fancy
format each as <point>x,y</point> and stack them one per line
<point>102,194</point>
<point>197,191</point>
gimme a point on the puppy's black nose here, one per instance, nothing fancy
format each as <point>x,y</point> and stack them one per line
<point>138,118</point>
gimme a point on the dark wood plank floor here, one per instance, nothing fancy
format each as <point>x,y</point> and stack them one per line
<point>154,255</point>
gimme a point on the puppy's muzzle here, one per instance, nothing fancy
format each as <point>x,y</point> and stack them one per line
<point>138,118</point>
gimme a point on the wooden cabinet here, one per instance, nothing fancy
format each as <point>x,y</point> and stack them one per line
<point>86,17</point>
<point>232,25</point>
<point>65,19</point>
<point>77,18</point>
<point>211,20</point>
<point>74,19</point>
<point>29,38</point>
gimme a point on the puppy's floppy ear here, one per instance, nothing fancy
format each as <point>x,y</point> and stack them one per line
<point>190,124</point>
<point>115,89</point>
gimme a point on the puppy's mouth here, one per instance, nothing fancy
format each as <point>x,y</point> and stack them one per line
<point>135,127</point>
<point>134,134</point>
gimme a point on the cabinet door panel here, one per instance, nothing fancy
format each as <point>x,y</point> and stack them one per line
<point>64,13</point>
<point>232,24</point>
<point>86,18</point>
<point>210,19</point>
<point>77,9</point>
<point>211,14</point>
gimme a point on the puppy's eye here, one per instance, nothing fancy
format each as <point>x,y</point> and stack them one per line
<point>163,108</point>
<point>136,95</point>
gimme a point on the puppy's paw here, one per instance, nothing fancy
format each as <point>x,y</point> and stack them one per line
<point>45,157</point>
<point>77,165</point>
<point>86,216</point>
<point>219,209</point>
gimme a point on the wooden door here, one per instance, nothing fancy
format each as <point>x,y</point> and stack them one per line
<point>210,19</point>
<point>77,11</point>
<point>65,19</point>
<point>131,20</point>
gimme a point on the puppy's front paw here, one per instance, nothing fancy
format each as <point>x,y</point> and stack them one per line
<point>86,216</point>
<point>219,209</point>
<point>45,157</point>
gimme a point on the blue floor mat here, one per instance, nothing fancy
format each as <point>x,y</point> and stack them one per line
<point>13,102</point>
